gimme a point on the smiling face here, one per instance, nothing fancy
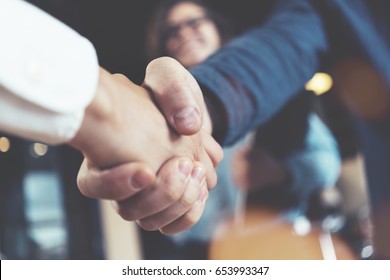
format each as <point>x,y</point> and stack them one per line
<point>190,35</point>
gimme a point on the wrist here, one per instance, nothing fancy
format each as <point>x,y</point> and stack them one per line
<point>99,113</point>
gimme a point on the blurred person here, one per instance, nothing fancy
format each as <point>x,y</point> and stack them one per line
<point>351,185</point>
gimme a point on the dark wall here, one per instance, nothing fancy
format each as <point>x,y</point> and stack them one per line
<point>117,27</point>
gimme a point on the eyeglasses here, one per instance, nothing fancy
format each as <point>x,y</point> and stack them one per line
<point>173,30</point>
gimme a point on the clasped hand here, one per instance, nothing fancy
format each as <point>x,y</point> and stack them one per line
<point>159,170</point>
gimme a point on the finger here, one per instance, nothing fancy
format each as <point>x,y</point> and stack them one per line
<point>213,149</point>
<point>116,183</point>
<point>177,94</point>
<point>188,219</point>
<point>169,187</point>
<point>210,172</point>
<point>192,193</point>
<point>122,78</point>
<point>210,158</point>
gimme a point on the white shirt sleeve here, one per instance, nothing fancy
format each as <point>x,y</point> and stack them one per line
<point>48,74</point>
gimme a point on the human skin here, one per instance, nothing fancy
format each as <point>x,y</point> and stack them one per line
<point>183,164</point>
<point>191,44</point>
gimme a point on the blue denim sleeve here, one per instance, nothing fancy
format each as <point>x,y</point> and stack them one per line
<point>317,165</point>
<point>258,72</point>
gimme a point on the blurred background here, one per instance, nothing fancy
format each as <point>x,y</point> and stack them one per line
<point>43,215</point>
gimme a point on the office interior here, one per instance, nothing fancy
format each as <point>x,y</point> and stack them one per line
<point>44,216</point>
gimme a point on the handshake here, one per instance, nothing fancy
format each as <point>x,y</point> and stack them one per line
<point>149,148</point>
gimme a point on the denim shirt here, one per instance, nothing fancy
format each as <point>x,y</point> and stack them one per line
<point>256,74</point>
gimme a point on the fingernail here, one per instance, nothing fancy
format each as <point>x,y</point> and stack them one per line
<point>204,194</point>
<point>185,167</point>
<point>187,117</point>
<point>198,174</point>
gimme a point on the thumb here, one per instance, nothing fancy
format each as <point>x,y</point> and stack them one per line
<point>177,93</point>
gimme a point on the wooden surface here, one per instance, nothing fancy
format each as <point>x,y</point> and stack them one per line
<point>266,234</point>
<point>121,238</point>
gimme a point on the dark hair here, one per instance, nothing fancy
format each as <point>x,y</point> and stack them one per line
<point>155,37</point>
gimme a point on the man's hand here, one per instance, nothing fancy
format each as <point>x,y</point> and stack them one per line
<point>124,125</point>
<point>171,201</point>
<point>155,176</point>
<point>178,94</point>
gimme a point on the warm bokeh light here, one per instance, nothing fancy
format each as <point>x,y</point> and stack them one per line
<point>38,149</point>
<point>320,83</point>
<point>4,144</point>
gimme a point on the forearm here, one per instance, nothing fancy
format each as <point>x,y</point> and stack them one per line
<point>257,73</point>
<point>94,137</point>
